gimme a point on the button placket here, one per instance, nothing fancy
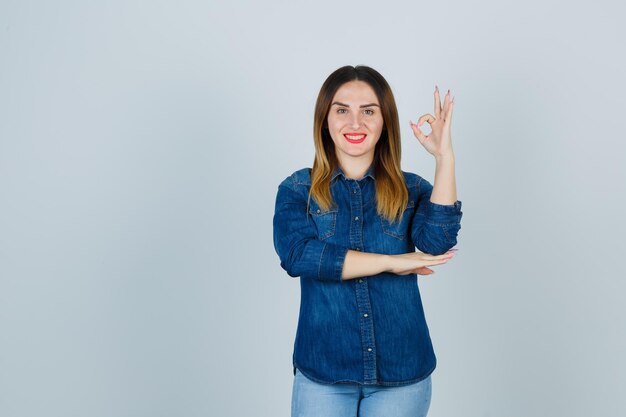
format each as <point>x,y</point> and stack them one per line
<point>356,206</point>
<point>362,289</point>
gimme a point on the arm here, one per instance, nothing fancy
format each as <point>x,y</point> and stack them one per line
<point>361,264</point>
<point>438,217</point>
<point>435,226</point>
<point>444,191</point>
<point>301,253</point>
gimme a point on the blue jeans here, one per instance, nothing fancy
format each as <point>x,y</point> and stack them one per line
<point>312,399</point>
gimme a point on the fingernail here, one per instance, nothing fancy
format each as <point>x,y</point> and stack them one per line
<point>436,88</point>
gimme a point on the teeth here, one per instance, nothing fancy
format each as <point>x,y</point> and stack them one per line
<point>355,137</point>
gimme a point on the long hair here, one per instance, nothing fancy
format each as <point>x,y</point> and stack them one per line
<point>391,192</point>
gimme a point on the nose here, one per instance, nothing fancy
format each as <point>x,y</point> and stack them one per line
<point>356,121</point>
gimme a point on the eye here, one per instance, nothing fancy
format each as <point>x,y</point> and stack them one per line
<point>370,112</point>
<point>341,111</point>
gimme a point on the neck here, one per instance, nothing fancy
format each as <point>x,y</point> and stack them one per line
<point>355,168</point>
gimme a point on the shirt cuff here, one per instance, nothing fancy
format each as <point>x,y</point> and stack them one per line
<point>331,262</point>
<point>444,213</point>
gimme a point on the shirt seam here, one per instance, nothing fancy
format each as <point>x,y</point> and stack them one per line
<point>382,383</point>
<point>319,266</point>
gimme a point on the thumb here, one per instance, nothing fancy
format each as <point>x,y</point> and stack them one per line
<point>424,271</point>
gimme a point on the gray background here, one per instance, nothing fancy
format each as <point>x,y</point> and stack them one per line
<point>141,146</point>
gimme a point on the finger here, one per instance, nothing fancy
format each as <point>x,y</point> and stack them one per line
<point>435,257</point>
<point>449,114</point>
<point>428,118</point>
<point>422,270</point>
<point>446,104</point>
<point>418,133</point>
<point>437,103</point>
<point>436,262</point>
<point>428,262</point>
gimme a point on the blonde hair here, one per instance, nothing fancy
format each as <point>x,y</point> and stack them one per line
<point>391,192</point>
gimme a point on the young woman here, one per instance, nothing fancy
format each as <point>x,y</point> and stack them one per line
<point>348,228</point>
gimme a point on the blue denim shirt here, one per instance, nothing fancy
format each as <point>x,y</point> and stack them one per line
<point>368,330</point>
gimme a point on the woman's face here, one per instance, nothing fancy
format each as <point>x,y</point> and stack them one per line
<point>355,121</point>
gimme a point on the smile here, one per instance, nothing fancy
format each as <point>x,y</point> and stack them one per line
<point>355,138</point>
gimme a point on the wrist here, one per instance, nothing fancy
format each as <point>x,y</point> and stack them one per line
<point>446,157</point>
<point>387,263</point>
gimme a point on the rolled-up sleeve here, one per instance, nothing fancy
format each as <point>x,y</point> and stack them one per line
<point>435,226</point>
<point>300,251</point>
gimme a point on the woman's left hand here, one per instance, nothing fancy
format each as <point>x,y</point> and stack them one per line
<point>439,141</point>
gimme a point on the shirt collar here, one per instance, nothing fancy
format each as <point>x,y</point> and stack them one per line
<point>368,173</point>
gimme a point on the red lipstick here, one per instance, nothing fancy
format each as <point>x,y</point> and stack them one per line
<point>355,137</point>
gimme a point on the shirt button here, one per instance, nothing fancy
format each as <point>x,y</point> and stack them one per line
<point>354,191</point>
<point>319,211</point>
<point>365,315</point>
<point>358,249</point>
<point>360,280</point>
<point>356,218</point>
<point>369,349</point>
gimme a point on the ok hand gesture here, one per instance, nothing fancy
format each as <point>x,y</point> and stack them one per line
<point>439,142</point>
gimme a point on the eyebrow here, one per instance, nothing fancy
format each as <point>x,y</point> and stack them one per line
<point>364,105</point>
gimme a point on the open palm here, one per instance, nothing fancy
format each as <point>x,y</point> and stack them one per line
<point>439,141</point>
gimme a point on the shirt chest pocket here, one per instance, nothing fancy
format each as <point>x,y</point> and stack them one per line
<point>325,221</point>
<point>400,228</point>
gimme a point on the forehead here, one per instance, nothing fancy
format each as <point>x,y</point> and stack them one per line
<point>356,92</point>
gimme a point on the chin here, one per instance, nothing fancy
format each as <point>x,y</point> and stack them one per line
<point>356,154</point>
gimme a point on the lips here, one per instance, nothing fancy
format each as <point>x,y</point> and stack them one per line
<point>355,137</point>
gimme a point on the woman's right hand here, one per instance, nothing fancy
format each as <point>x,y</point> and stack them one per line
<point>417,262</point>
